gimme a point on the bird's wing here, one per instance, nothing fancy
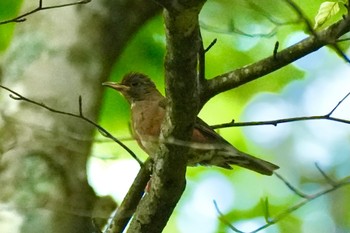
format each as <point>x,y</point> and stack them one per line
<point>203,130</point>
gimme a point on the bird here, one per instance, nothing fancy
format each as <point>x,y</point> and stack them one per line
<point>206,147</point>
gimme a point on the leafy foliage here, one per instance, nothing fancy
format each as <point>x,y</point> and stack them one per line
<point>8,9</point>
<point>329,12</point>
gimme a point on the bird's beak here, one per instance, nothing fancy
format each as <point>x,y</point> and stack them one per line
<point>116,86</point>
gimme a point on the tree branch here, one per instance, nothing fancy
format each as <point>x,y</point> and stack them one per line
<point>327,116</point>
<point>301,15</point>
<point>127,208</point>
<point>261,11</point>
<point>276,61</point>
<point>22,18</point>
<point>334,185</point>
<point>168,177</point>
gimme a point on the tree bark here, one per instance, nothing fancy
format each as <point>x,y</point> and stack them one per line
<point>169,169</point>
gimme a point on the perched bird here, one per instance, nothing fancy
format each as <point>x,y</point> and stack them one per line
<point>206,146</point>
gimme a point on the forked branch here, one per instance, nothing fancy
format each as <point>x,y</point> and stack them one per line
<point>40,7</point>
<point>333,185</point>
<point>16,96</point>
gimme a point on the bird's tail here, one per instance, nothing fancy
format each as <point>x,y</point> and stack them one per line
<point>250,162</point>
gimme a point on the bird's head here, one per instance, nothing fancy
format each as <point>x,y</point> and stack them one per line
<point>135,87</point>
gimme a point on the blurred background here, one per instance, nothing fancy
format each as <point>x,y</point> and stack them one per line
<point>246,31</point>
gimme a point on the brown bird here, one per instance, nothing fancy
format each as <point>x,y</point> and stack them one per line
<point>206,146</point>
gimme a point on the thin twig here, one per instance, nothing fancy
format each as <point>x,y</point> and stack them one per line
<point>338,104</point>
<point>275,50</point>
<point>292,188</point>
<point>340,183</point>
<point>327,178</point>
<point>201,59</point>
<point>343,40</point>
<point>235,30</point>
<point>201,55</point>
<point>80,106</point>
<point>130,202</point>
<point>279,121</point>
<point>22,18</point>
<point>301,15</point>
<point>287,120</point>
<point>222,218</point>
<point>211,45</point>
<point>340,52</point>
<point>16,96</point>
<point>269,17</point>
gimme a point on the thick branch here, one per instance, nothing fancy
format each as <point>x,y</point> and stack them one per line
<point>276,61</point>
<point>131,200</point>
<point>168,177</point>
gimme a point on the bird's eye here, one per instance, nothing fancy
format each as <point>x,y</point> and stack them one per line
<point>134,84</point>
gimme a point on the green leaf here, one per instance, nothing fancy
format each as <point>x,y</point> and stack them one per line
<point>326,11</point>
<point>265,205</point>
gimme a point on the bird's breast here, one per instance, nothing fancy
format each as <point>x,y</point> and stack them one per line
<point>147,117</point>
